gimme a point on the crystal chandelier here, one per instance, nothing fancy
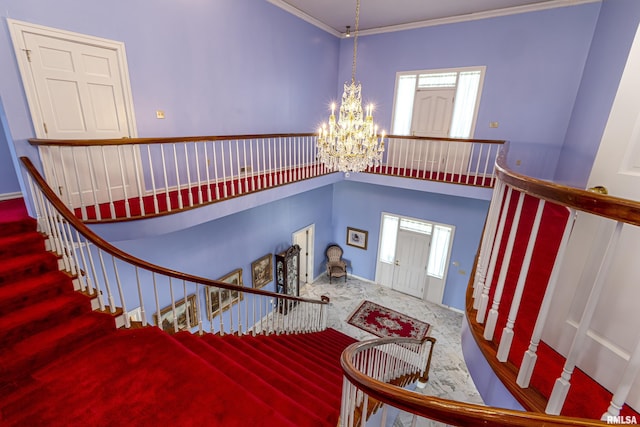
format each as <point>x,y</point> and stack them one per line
<point>351,144</point>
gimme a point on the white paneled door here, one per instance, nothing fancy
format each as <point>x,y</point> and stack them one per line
<point>78,88</point>
<point>609,342</point>
<point>412,258</point>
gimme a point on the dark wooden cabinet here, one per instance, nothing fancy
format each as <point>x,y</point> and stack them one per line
<point>288,275</point>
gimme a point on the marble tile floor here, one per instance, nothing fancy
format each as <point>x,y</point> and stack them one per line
<point>448,377</point>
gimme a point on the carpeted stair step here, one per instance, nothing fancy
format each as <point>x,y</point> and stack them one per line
<point>319,399</point>
<point>285,361</point>
<point>18,362</point>
<point>41,316</point>
<point>27,265</point>
<point>246,377</point>
<point>329,338</point>
<point>20,244</point>
<point>282,344</point>
<point>33,290</point>
<point>141,377</point>
<point>21,225</point>
<point>320,345</point>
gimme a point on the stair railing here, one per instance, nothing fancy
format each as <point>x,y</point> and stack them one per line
<point>518,208</point>
<point>376,371</point>
<point>105,180</point>
<point>117,281</point>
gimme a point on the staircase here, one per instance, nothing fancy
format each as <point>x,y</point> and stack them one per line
<point>64,364</point>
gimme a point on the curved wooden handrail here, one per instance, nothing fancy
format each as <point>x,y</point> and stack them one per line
<point>443,410</point>
<point>164,140</point>
<point>112,250</point>
<point>615,208</point>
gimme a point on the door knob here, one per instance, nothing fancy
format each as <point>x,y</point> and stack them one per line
<point>601,189</point>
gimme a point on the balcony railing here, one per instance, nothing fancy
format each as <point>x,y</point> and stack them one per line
<point>529,227</point>
<point>105,180</point>
<point>134,290</point>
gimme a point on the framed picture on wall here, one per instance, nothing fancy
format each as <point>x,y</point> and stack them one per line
<point>357,238</point>
<point>220,300</point>
<point>165,319</point>
<point>262,271</point>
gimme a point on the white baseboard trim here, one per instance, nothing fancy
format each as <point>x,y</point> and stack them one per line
<point>10,196</point>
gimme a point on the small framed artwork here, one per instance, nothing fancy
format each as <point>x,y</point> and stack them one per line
<point>183,309</point>
<point>262,271</point>
<point>357,238</point>
<point>220,300</point>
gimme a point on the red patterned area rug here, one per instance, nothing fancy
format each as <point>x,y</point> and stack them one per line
<point>384,322</point>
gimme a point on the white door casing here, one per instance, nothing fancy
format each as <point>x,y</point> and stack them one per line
<point>305,239</point>
<point>77,87</point>
<point>412,256</point>
<point>609,342</point>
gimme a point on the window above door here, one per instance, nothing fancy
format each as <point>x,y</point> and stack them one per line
<point>437,102</point>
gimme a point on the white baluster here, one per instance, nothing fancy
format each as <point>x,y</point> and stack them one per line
<point>215,169</point>
<point>94,184</point>
<point>562,384</point>
<point>165,173</point>
<point>143,312</point>
<point>486,167</point>
<point>239,176</point>
<point>154,190</point>
<point>198,177</point>
<point>253,174</point>
<point>188,171</point>
<point>123,303</point>
<point>530,356</point>
<point>107,286</point>
<point>507,332</point>
<point>136,166</point>
<point>207,174</point>
<point>628,379</point>
<point>224,172</point>
<point>83,207</point>
<point>127,207</point>
<point>477,169</point>
<point>492,318</point>
<point>486,285</point>
<point>112,208</point>
<point>271,171</point>
<point>65,182</point>
<point>487,242</point>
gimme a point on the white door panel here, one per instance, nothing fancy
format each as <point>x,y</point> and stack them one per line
<point>77,87</point>
<point>305,239</point>
<point>412,257</point>
<point>617,168</point>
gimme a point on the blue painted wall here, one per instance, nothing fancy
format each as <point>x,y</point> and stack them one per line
<point>612,40</point>
<point>534,65</point>
<point>360,205</point>
<point>214,248</point>
<point>214,67</point>
<point>8,178</point>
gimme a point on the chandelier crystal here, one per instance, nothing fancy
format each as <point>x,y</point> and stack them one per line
<point>351,143</point>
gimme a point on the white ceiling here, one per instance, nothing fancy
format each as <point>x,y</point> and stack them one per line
<point>378,16</point>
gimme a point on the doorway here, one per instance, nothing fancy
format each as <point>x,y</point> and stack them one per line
<point>413,256</point>
<point>77,87</point>
<point>305,238</point>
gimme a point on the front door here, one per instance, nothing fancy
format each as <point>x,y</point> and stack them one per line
<point>412,258</point>
<point>77,88</point>
<point>616,167</point>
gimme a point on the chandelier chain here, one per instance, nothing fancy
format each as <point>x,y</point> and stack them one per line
<point>355,42</point>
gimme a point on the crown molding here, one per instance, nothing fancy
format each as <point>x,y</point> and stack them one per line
<point>305,17</point>
<point>553,4</point>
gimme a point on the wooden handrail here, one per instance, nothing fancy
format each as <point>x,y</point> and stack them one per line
<point>443,410</point>
<point>117,253</point>
<point>160,140</point>
<point>176,139</point>
<point>615,208</point>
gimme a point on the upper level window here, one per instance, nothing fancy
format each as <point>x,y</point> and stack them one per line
<point>437,102</point>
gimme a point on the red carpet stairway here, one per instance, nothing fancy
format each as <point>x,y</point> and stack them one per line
<point>62,364</point>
